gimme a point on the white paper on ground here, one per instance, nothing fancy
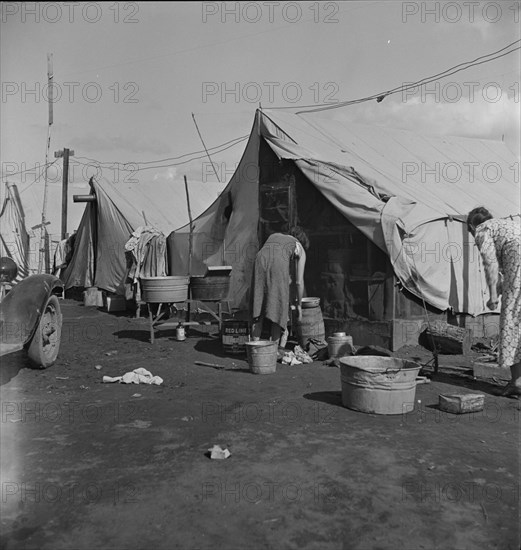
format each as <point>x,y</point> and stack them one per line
<point>137,376</point>
<point>218,453</point>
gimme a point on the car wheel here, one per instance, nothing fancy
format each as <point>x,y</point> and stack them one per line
<point>45,344</point>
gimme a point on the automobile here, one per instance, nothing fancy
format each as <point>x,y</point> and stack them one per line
<point>30,315</point>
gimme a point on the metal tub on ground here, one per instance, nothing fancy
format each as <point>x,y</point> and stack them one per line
<point>378,385</point>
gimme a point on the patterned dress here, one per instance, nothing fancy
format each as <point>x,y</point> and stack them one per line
<point>499,241</point>
<point>271,278</point>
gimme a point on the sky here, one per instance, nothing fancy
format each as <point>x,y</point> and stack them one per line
<point>131,77</point>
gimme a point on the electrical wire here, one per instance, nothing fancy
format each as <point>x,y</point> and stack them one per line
<point>133,170</point>
<point>7,176</point>
<point>38,177</point>
<point>422,82</point>
<point>313,108</point>
<point>233,142</point>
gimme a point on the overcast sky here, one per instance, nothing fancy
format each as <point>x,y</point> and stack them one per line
<point>129,75</point>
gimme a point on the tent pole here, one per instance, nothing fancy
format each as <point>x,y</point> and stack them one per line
<point>190,247</point>
<point>190,243</point>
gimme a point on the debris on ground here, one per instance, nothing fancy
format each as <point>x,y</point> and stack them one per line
<point>217,453</point>
<point>213,365</point>
<point>289,358</point>
<point>98,367</point>
<point>137,376</point>
<point>295,357</point>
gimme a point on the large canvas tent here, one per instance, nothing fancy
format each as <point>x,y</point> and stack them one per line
<point>382,207</point>
<point>109,220</point>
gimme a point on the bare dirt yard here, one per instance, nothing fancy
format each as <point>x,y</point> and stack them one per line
<point>93,465</point>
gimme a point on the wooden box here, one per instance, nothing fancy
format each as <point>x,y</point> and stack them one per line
<point>462,403</point>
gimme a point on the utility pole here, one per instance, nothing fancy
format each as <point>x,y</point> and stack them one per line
<point>66,153</point>
<point>43,261</point>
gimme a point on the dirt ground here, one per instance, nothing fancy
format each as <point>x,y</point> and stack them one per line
<point>93,465</point>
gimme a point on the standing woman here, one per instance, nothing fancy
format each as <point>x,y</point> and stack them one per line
<point>499,241</point>
<point>281,259</point>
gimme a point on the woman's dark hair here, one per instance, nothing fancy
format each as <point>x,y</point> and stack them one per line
<point>299,234</point>
<point>477,216</point>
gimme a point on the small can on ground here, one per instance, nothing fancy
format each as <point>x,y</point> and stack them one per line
<point>180,333</point>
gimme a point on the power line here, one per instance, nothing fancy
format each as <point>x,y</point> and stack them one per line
<point>5,177</point>
<point>237,140</point>
<point>38,177</point>
<point>121,165</point>
<point>426,80</point>
<point>75,159</point>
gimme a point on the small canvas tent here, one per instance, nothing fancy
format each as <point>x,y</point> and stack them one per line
<point>115,212</point>
<point>382,207</point>
<point>14,239</point>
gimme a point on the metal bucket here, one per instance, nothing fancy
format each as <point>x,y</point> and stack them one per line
<point>262,356</point>
<point>339,345</point>
<point>211,288</point>
<point>164,289</point>
<point>235,334</point>
<point>378,385</point>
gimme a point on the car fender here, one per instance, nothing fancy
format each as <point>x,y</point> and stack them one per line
<point>21,309</point>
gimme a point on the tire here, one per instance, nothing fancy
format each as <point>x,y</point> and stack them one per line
<point>45,344</point>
